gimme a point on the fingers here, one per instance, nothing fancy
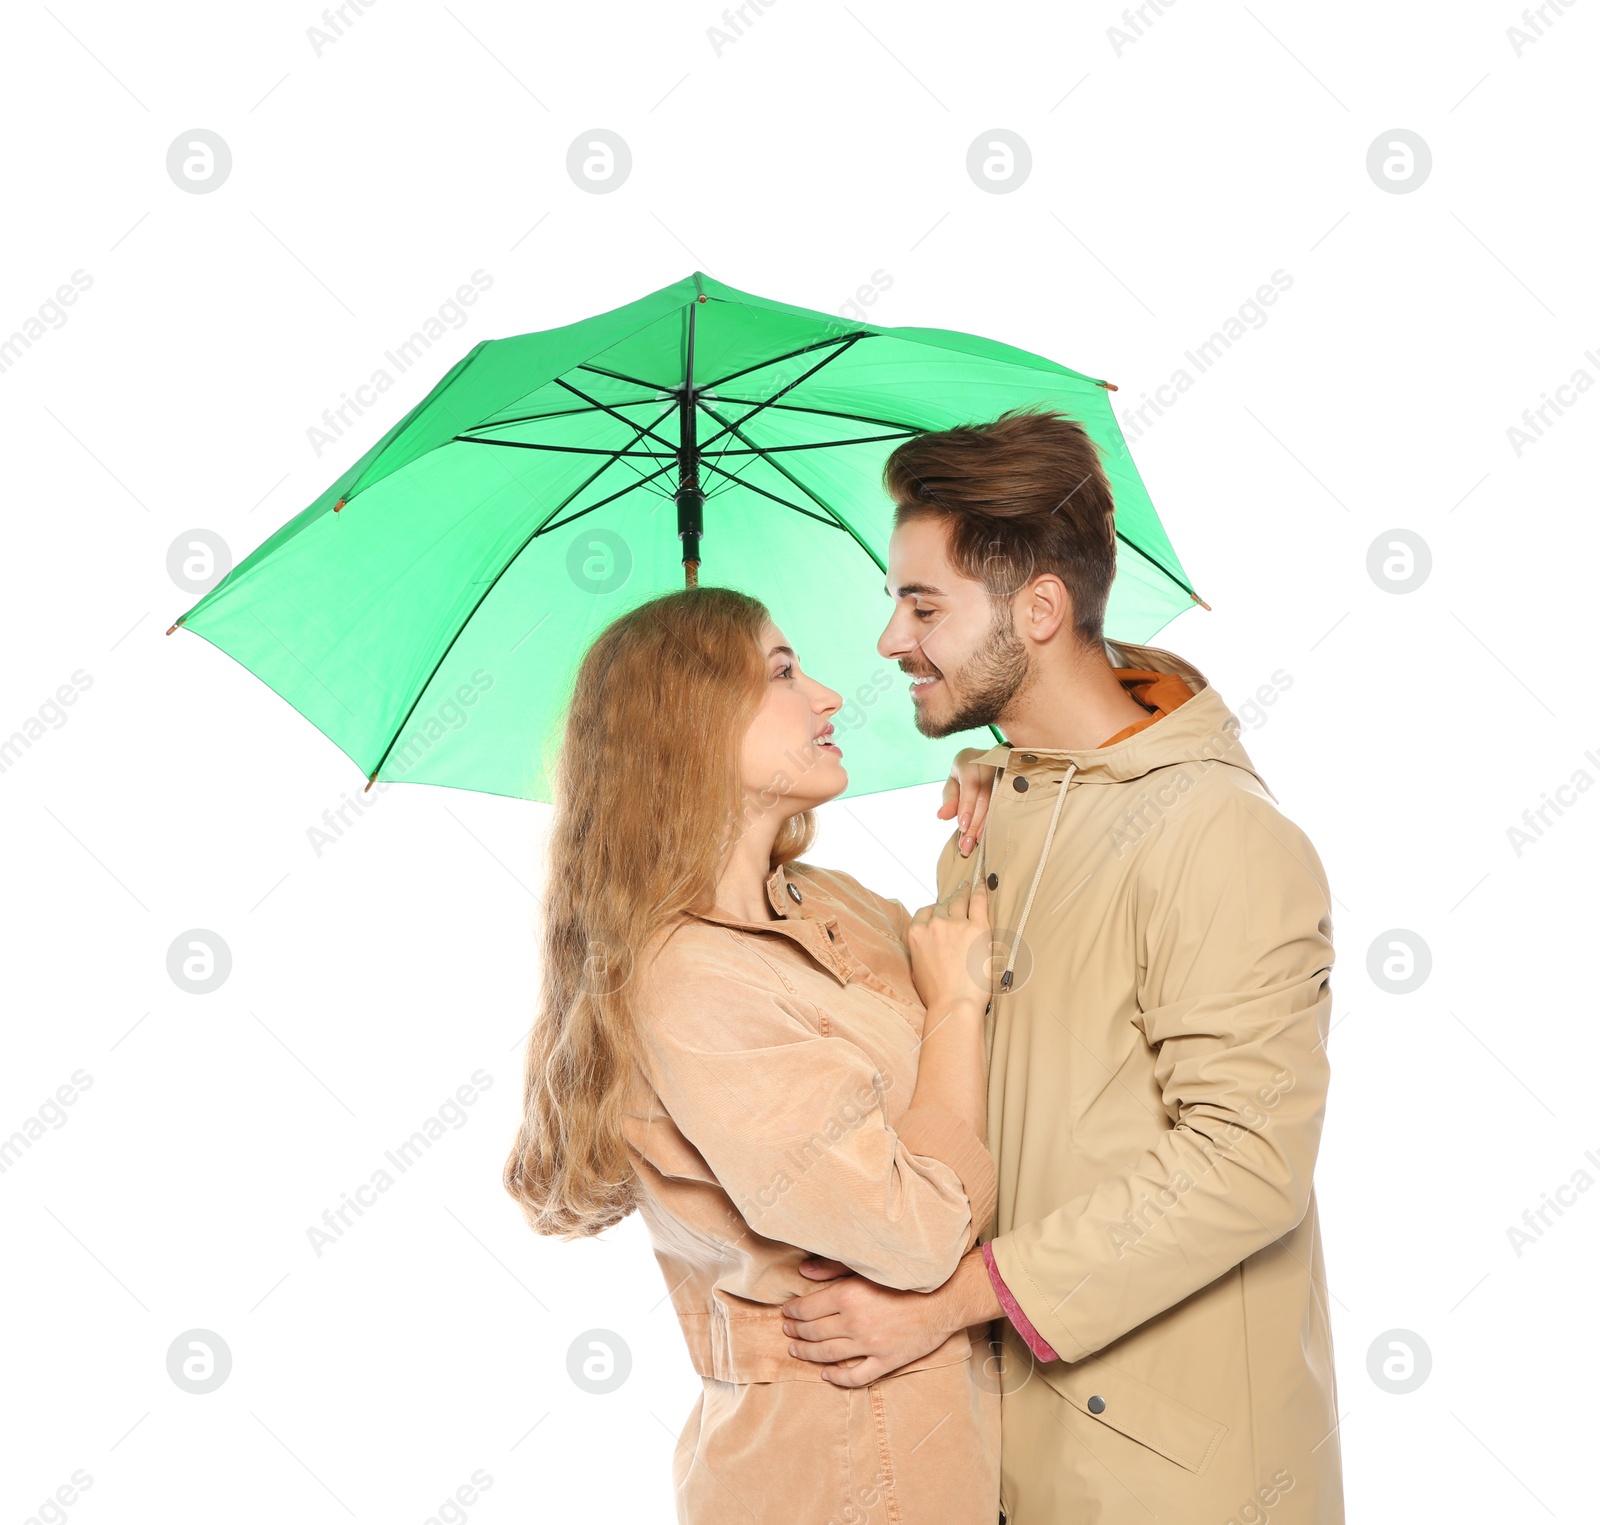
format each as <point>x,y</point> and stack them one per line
<point>826,1352</point>
<point>975,785</point>
<point>935,908</point>
<point>960,900</point>
<point>814,1305</point>
<point>980,807</point>
<point>978,904</point>
<point>973,807</point>
<point>858,1374</point>
<point>817,1268</point>
<point>818,1331</point>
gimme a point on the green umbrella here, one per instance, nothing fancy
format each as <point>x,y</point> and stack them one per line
<point>427,611</point>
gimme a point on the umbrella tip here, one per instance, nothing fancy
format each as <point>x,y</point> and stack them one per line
<point>174,625</point>
<point>340,504</point>
<point>1196,597</point>
<point>1110,386</point>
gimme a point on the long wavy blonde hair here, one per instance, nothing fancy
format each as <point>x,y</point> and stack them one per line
<point>647,797</point>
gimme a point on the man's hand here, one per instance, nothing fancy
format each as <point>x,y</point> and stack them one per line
<point>858,1331</point>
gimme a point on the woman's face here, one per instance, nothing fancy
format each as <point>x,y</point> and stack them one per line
<point>789,758</point>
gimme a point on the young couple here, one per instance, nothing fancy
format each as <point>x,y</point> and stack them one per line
<point>1001,1211</point>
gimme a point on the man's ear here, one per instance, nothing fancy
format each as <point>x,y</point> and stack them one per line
<point>1048,607</point>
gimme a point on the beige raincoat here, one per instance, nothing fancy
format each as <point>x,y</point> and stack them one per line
<point>771,1119</point>
<point>1156,1093</point>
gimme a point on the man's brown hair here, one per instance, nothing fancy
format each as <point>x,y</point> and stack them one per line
<point>1023,495</point>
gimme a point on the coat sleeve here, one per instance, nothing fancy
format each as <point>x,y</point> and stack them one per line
<point>1233,938</point>
<point>792,1125</point>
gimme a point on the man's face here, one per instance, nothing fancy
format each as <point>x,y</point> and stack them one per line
<point>963,656</point>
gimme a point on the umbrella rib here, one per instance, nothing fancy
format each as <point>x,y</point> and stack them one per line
<point>521,444</point>
<point>782,471</point>
<point>511,561</point>
<point>839,344</point>
<point>659,439</point>
<point>549,524</point>
<point>804,349</point>
<point>821,444</point>
<point>595,476</point>
<point>843,348</point>
<point>805,375</point>
<point>616,455</point>
<point>600,471</point>
<point>832,524</point>
<point>1157,565</point>
<point>538,530</point>
<point>656,455</point>
<point>860,418</point>
<point>618,376</point>
<point>533,418</point>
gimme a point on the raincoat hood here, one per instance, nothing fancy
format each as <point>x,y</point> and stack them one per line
<point>1202,731</point>
<point>1202,728</point>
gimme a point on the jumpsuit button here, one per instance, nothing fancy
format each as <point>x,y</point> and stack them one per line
<point>993,881</point>
<point>1097,1405</point>
<point>1020,784</point>
<point>794,894</point>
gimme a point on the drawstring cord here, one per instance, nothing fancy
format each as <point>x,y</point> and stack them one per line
<point>1038,873</point>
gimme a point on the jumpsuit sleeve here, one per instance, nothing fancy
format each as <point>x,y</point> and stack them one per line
<point>792,1124</point>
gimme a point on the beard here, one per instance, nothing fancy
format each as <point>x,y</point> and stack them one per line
<point>986,685</point>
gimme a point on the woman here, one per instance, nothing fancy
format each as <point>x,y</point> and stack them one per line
<point>764,1058</point>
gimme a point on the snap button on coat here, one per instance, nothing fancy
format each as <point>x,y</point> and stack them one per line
<point>993,881</point>
<point>1097,1405</point>
<point>1020,784</point>
<point>794,894</point>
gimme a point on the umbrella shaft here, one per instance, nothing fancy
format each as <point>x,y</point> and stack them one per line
<point>689,497</point>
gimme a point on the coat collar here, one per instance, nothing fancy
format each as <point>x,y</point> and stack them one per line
<point>1201,729</point>
<point>786,894</point>
<point>805,919</point>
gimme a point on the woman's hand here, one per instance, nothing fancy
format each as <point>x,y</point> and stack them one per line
<point>966,796</point>
<point>950,943</point>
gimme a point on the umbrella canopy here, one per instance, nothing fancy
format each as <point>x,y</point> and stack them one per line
<point>427,612</point>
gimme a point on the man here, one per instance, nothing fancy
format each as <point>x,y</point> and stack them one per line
<point>1159,1008</point>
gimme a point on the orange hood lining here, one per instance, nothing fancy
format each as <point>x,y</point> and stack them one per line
<point>1164,691</point>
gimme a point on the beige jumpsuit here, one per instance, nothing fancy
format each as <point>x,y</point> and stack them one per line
<point>770,1120</point>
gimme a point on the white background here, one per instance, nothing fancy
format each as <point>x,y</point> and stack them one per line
<point>1172,173</point>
